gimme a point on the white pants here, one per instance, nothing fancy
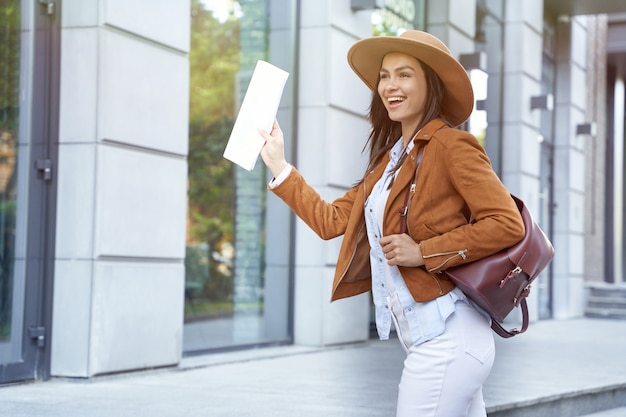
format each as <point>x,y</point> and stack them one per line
<point>444,376</point>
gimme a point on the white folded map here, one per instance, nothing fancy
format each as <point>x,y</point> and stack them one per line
<point>258,111</point>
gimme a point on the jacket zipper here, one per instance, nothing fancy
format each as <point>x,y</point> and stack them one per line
<point>408,207</point>
<point>438,284</point>
<point>460,253</point>
<point>413,187</point>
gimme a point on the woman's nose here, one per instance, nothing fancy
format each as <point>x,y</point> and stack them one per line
<point>391,84</point>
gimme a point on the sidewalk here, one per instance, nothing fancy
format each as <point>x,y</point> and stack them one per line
<point>553,359</point>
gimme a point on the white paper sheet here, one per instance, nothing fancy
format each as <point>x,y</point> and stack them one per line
<point>258,111</point>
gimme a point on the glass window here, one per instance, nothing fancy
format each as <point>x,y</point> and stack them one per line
<point>14,154</point>
<point>397,16</point>
<point>9,106</point>
<point>226,288</point>
<point>489,40</point>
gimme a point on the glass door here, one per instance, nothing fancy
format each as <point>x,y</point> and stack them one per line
<point>27,88</point>
<point>229,301</point>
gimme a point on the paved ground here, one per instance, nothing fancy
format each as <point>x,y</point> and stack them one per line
<point>554,358</point>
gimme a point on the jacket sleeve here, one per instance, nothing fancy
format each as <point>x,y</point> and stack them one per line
<point>327,220</point>
<point>475,189</point>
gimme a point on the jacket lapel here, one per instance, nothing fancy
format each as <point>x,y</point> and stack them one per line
<point>405,175</point>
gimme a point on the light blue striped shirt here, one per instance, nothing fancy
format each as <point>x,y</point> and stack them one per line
<point>423,321</point>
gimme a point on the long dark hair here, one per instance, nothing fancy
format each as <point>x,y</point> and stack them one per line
<point>386,132</point>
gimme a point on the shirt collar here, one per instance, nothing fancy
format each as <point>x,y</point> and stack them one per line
<point>398,148</point>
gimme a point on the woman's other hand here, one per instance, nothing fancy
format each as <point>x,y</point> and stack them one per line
<point>401,250</point>
<point>273,152</point>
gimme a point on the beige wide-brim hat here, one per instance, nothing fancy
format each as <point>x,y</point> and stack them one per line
<point>366,56</point>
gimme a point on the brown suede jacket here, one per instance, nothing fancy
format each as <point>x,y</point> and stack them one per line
<point>455,181</point>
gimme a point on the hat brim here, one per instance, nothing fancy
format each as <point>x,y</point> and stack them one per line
<point>366,56</point>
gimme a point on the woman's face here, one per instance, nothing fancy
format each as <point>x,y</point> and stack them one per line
<point>402,88</point>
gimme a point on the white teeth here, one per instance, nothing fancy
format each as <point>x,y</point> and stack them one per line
<point>390,99</point>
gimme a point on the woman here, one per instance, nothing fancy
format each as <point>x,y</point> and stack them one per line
<point>420,93</point>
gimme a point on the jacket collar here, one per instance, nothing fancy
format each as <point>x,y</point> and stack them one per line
<point>408,168</point>
<point>406,173</point>
<point>428,130</point>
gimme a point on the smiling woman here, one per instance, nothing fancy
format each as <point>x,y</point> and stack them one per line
<point>420,94</point>
<point>401,86</point>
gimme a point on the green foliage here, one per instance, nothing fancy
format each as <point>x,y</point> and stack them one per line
<point>384,29</point>
<point>9,53</point>
<point>385,22</point>
<point>211,185</point>
<point>214,62</point>
<point>214,65</point>
<point>9,107</point>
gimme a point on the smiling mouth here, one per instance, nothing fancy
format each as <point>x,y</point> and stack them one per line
<point>395,101</point>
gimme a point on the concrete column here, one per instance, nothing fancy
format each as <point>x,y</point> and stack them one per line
<point>569,167</point>
<point>331,132</point>
<point>122,182</point>
<point>595,155</point>
<point>521,79</point>
<point>454,22</point>
<point>618,184</point>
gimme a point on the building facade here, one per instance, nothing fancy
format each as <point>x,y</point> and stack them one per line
<point>129,242</point>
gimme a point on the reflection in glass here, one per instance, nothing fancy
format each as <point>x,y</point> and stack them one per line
<point>398,16</point>
<point>9,102</point>
<point>224,288</point>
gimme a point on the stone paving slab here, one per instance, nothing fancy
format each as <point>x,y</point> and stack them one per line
<point>554,358</point>
<point>557,358</point>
